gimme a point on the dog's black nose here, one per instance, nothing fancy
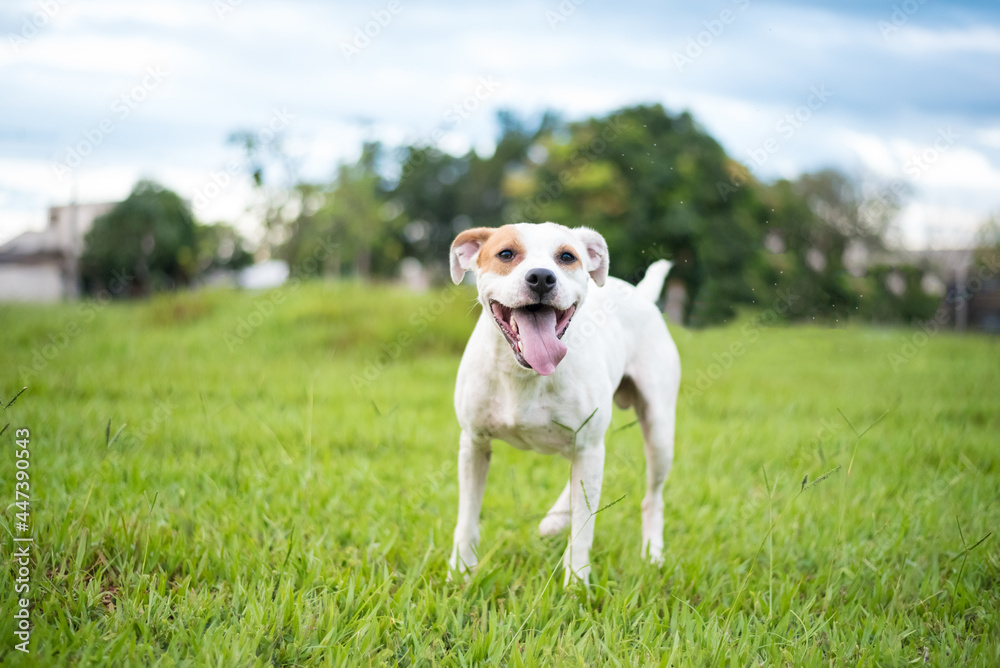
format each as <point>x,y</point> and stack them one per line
<point>540,280</point>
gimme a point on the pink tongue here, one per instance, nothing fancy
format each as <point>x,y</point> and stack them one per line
<point>539,344</point>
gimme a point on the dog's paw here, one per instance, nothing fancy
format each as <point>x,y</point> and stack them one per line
<point>579,577</point>
<point>459,574</point>
<point>653,554</point>
<point>554,523</point>
<point>461,567</point>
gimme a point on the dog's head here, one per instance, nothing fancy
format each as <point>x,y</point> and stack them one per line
<point>532,278</point>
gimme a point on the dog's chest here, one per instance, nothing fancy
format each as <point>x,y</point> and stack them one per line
<point>542,419</point>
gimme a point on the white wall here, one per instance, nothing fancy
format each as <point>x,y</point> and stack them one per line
<point>31,282</point>
<point>70,223</point>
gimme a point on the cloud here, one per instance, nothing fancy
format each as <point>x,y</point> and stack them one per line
<point>989,137</point>
<point>923,42</point>
<point>961,169</point>
<point>875,153</point>
<point>931,225</point>
<point>228,72</point>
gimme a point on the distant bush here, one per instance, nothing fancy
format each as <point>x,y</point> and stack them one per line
<point>151,242</point>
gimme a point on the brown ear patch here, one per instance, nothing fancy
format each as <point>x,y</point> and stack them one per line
<point>464,248</point>
<point>503,238</point>
<point>478,234</point>
<point>575,264</point>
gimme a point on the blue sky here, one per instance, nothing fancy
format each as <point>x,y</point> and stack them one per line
<point>910,90</point>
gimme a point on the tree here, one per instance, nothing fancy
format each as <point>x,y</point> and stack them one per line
<point>354,214</point>
<point>149,241</point>
<point>811,224</point>
<point>655,184</point>
<point>220,246</point>
<point>648,182</point>
<point>273,175</point>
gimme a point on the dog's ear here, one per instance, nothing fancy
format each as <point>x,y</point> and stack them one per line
<point>464,249</point>
<point>597,253</point>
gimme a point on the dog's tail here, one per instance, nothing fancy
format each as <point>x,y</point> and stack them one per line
<point>651,284</point>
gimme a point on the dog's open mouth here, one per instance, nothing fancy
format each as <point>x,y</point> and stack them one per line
<point>534,333</point>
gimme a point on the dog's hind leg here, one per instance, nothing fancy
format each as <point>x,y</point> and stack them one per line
<point>658,443</point>
<point>655,404</point>
<point>558,516</point>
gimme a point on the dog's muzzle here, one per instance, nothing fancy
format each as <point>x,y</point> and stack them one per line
<point>534,333</point>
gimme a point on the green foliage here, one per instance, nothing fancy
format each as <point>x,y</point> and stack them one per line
<point>220,246</point>
<point>657,185</point>
<point>578,174</point>
<point>353,215</point>
<point>444,194</point>
<point>883,304</point>
<point>654,184</point>
<point>151,242</point>
<point>646,181</point>
<point>260,507</point>
<point>807,232</point>
<point>148,242</point>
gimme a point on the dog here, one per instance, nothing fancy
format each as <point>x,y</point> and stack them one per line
<point>557,342</point>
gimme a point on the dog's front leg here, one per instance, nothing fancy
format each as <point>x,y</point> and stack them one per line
<point>585,498</point>
<point>473,465</point>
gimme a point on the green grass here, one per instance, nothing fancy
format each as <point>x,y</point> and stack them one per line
<point>209,487</point>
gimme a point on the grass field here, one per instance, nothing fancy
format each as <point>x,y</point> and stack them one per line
<point>225,478</point>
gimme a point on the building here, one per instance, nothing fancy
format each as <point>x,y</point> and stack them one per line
<point>969,291</point>
<point>42,266</point>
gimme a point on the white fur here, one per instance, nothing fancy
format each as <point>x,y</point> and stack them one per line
<point>619,350</point>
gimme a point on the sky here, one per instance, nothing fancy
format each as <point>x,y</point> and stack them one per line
<point>96,94</point>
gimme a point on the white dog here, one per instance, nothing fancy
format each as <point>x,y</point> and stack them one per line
<point>556,343</point>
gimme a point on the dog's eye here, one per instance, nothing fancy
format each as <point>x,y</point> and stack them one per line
<point>506,255</point>
<point>567,258</point>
